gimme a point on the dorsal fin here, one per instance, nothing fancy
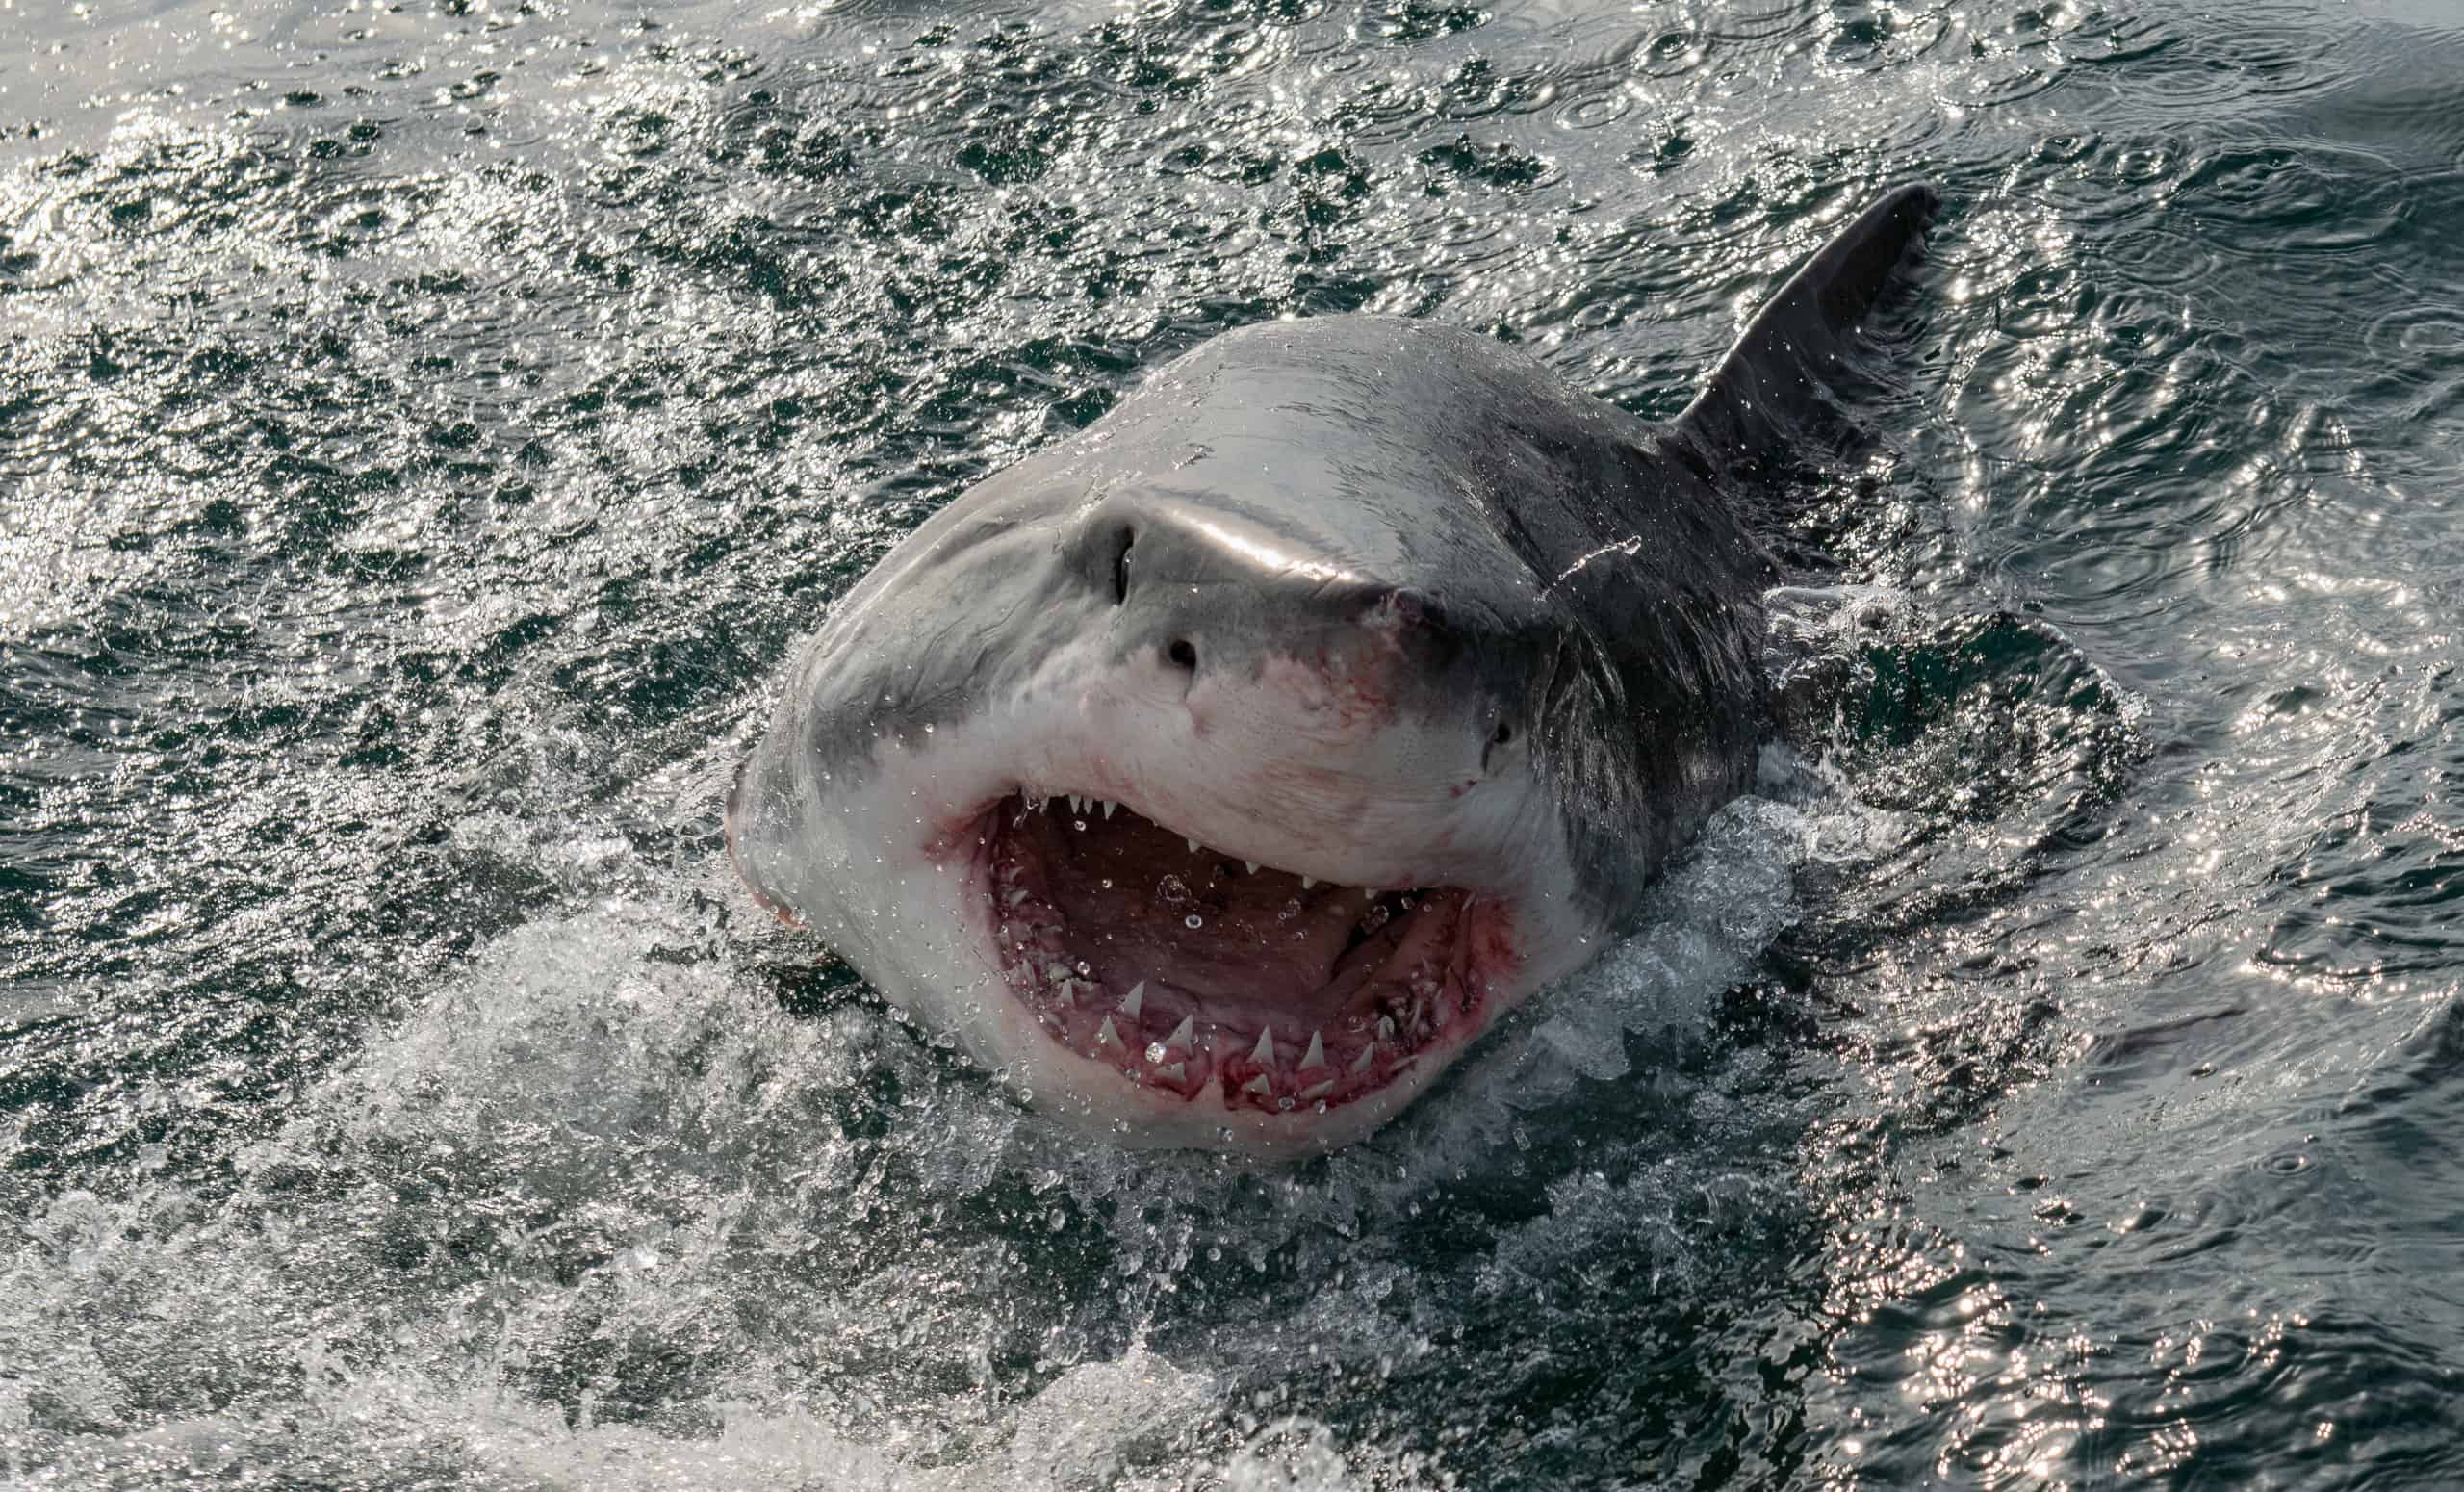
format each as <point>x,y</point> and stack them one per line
<point>1759,398</point>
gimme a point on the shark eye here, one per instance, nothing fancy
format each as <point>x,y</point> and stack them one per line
<point>1120,568</point>
<point>1504,735</point>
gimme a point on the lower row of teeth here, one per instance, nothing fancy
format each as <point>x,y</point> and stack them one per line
<point>1167,1059</point>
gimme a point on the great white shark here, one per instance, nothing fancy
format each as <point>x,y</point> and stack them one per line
<point>1223,771</point>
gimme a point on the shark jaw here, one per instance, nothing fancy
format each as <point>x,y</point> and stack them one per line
<point>1051,933</point>
<point>1228,987</point>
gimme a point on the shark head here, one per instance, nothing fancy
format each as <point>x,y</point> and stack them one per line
<point>1225,771</point>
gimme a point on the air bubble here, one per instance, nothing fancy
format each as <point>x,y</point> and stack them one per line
<point>1171,891</point>
<point>1291,909</point>
<point>1193,922</point>
<point>1108,883</point>
<point>1155,1051</point>
<point>1083,968</point>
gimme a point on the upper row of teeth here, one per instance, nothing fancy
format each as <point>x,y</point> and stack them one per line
<point>1078,805</point>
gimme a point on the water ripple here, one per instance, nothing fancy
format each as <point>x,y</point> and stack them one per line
<point>427,430</point>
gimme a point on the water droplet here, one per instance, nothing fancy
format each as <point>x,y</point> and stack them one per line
<point>1155,1051</point>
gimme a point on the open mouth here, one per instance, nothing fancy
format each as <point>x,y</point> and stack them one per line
<point>1183,969</point>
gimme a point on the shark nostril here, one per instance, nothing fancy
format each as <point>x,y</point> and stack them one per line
<point>1499,737</point>
<point>1183,653</point>
<point>1121,543</point>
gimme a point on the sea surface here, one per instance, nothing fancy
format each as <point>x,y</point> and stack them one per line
<point>426,429</point>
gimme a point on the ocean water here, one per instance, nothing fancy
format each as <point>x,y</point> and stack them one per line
<point>426,427</point>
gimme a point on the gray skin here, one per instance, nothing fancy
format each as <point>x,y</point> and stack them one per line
<point>1546,578</point>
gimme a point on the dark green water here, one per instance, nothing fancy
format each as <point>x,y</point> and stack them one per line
<point>425,429</point>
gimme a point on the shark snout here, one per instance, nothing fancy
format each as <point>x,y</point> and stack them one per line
<point>1207,602</point>
<point>1319,728</point>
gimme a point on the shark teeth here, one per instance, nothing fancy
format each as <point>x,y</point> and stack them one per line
<point>1307,882</point>
<point>1182,1033</point>
<point>1263,1054</point>
<point>1105,1035</point>
<point>1368,1054</point>
<point>1077,804</point>
<point>1177,1071</point>
<point>1316,1056</point>
<point>1251,866</point>
<point>1258,1085</point>
<point>1318,1090</point>
<point>1195,846</point>
<point>1109,806</point>
<point>1134,1001</point>
<point>1385,1028</point>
